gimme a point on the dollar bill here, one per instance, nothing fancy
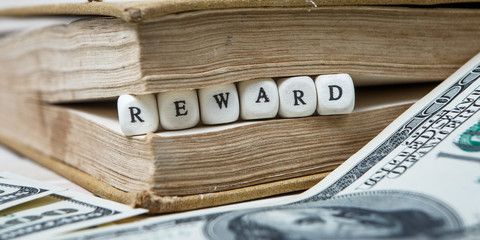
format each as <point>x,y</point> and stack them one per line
<point>419,178</point>
<point>58,213</point>
<point>15,190</point>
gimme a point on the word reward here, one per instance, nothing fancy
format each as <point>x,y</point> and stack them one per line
<point>265,98</point>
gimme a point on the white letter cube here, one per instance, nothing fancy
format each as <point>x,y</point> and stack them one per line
<point>336,94</point>
<point>258,99</point>
<point>178,109</point>
<point>137,114</point>
<point>298,97</point>
<point>219,104</point>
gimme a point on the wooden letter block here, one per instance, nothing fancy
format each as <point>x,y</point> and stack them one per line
<point>219,104</point>
<point>336,94</point>
<point>298,97</point>
<point>137,114</point>
<point>178,110</point>
<point>258,99</point>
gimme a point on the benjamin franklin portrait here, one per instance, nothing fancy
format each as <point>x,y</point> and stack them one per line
<point>370,215</point>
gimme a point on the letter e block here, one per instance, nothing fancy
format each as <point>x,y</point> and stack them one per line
<point>336,94</point>
<point>137,114</point>
<point>258,99</point>
<point>298,97</point>
<point>178,109</point>
<point>219,104</point>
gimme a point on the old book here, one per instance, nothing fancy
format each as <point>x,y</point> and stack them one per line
<point>59,84</point>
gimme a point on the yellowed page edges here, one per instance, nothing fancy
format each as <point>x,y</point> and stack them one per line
<point>164,204</point>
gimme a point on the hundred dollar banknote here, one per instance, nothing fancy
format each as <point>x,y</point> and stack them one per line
<point>419,178</point>
<point>48,216</point>
<point>15,190</point>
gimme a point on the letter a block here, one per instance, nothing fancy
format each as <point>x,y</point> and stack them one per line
<point>219,104</point>
<point>137,114</point>
<point>258,99</point>
<point>336,94</point>
<point>178,109</point>
<point>298,97</point>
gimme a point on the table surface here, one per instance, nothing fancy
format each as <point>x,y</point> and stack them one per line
<point>14,163</point>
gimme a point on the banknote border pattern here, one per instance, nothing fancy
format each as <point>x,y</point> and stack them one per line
<point>22,192</point>
<point>96,212</point>
<point>402,133</point>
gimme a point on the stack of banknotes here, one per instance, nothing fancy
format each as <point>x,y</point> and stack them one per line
<point>34,210</point>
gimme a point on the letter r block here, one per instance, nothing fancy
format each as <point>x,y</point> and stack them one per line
<point>298,97</point>
<point>258,99</point>
<point>336,94</point>
<point>219,104</point>
<point>137,114</point>
<point>178,109</point>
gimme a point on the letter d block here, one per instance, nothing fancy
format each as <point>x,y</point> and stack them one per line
<point>336,94</point>
<point>178,109</point>
<point>137,114</point>
<point>298,97</point>
<point>219,104</point>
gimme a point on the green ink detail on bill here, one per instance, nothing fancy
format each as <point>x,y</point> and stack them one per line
<point>470,139</point>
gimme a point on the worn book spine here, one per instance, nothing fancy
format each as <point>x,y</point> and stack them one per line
<point>143,11</point>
